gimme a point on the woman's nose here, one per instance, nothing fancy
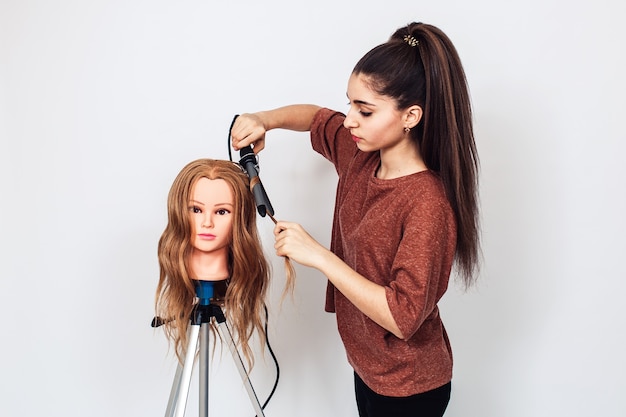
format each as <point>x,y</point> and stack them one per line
<point>350,122</point>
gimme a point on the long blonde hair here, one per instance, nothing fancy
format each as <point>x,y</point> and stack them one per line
<point>249,270</point>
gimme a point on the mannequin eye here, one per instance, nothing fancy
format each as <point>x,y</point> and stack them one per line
<point>222,212</point>
<point>195,209</point>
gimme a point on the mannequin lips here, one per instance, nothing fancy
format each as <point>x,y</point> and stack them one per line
<point>206,236</point>
<point>356,138</point>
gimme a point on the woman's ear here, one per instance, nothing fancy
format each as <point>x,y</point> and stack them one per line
<point>412,116</point>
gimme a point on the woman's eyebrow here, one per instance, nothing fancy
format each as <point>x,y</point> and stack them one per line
<point>361,102</point>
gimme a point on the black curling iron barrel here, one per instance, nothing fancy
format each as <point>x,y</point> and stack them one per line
<point>249,162</point>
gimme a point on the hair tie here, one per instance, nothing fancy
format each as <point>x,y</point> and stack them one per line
<point>411,40</point>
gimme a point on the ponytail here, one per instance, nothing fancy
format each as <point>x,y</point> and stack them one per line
<point>419,65</point>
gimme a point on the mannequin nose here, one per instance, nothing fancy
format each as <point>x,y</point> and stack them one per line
<point>207,221</point>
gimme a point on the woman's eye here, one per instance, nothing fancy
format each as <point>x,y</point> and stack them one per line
<point>361,112</point>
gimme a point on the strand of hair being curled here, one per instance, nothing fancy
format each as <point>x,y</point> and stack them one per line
<point>290,273</point>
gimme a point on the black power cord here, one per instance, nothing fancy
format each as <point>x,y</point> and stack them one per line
<point>269,348</point>
<point>228,145</point>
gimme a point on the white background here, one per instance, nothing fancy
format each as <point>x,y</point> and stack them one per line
<point>103,102</point>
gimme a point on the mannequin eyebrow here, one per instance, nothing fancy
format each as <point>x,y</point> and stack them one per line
<point>202,204</point>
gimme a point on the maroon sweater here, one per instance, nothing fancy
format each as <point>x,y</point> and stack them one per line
<point>401,234</point>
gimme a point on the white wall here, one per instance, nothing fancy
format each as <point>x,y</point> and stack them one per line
<point>103,102</point>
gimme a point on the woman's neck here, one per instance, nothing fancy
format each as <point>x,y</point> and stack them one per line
<point>209,266</point>
<point>396,163</point>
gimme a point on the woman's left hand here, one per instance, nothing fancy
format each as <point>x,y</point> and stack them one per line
<point>295,243</point>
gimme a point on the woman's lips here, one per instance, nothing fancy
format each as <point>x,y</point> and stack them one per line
<point>356,138</point>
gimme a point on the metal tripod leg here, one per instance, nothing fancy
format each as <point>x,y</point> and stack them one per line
<point>199,332</point>
<point>182,379</point>
<point>225,333</point>
<point>204,370</point>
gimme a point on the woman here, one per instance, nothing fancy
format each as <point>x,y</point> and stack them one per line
<point>406,211</point>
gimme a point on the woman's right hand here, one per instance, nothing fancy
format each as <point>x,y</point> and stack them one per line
<point>249,129</point>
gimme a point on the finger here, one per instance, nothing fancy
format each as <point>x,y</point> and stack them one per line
<point>248,130</point>
<point>282,228</point>
<point>240,133</point>
<point>240,138</point>
<point>284,224</point>
<point>255,139</point>
<point>258,146</point>
<point>236,130</point>
<point>279,247</point>
<point>278,229</point>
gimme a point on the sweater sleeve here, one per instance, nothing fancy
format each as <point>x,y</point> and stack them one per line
<point>332,140</point>
<point>422,265</point>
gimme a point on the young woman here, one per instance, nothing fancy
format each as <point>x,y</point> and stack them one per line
<point>211,235</point>
<point>406,211</point>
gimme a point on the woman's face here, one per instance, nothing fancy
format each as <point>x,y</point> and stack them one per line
<point>211,211</point>
<point>373,120</point>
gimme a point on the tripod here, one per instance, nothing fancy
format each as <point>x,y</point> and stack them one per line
<point>199,331</point>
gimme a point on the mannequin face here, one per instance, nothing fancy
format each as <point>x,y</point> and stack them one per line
<point>211,210</point>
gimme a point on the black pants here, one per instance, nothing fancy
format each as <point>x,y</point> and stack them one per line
<point>428,404</point>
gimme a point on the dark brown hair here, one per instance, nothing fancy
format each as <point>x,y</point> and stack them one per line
<point>419,65</point>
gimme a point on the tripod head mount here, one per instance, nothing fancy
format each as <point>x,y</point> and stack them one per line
<point>204,291</point>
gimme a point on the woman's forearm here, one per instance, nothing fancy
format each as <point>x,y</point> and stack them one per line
<point>366,295</point>
<point>296,117</point>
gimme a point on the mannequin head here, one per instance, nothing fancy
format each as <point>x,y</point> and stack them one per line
<point>206,193</point>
